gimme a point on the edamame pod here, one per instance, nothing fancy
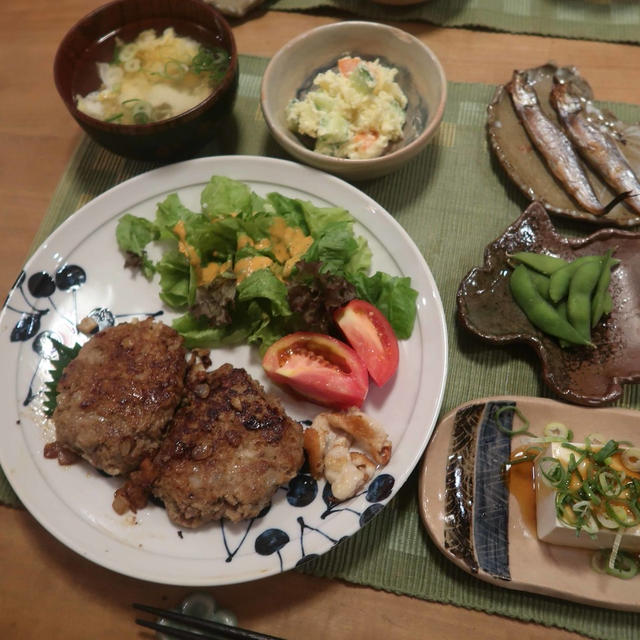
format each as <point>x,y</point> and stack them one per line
<point>540,312</point>
<point>541,283</point>
<point>539,261</point>
<point>602,287</point>
<point>560,279</point>
<point>562,310</point>
<point>607,303</point>
<point>581,287</point>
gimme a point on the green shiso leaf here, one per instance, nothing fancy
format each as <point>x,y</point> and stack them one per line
<point>65,356</point>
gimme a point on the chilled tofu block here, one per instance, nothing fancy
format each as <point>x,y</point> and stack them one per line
<point>554,531</point>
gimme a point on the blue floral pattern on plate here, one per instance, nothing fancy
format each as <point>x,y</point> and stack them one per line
<point>301,491</point>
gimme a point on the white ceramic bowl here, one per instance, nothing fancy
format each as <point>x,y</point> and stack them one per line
<point>420,75</point>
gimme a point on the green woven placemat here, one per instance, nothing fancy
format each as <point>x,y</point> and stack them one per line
<point>453,201</point>
<point>608,20</point>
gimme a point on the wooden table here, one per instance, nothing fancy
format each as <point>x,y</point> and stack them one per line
<point>46,590</point>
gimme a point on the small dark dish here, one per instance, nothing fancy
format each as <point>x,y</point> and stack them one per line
<point>581,375</point>
<point>92,40</point>
<point>526,167</point>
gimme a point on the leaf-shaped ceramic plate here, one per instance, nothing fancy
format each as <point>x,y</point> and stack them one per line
<point>582,375</point>
<point>490,532</point>
<point>525,166</point>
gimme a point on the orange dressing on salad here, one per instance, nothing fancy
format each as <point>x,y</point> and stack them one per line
<point>288,244</point>
<point>244,240</point>
<point>184,247</point>
<point>246,266</point>
<point>211,272</point>
<point>206,274</point>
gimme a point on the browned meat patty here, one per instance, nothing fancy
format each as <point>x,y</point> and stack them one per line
<point>117,396</point>
<point>228,449</point>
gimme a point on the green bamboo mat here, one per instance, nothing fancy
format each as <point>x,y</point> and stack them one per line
<point>608,20</point>
<point>452,200</point>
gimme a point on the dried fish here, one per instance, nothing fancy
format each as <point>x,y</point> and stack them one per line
<point>553,144</point>
<point>582,122</point>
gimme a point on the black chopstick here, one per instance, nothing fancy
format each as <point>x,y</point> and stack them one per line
<point>176,632</point>
<point>217,629</point>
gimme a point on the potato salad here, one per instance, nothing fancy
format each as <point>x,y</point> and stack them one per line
<point>353,112</point>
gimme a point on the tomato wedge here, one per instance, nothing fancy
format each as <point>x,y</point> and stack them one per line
<point>370,334</point>
<point>319,368</point>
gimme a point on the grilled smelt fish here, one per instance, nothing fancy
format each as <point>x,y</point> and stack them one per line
<point>594,143</point>
<point>553,144</point>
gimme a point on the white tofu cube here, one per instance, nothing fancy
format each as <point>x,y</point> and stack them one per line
<point>552,530</point>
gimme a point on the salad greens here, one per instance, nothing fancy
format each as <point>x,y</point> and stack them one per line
<point>236,266</point>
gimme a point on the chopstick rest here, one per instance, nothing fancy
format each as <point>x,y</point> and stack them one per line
<point>193,627</point>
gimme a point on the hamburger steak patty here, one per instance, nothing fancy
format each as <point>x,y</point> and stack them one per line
<point>228,449</point>
<point>117,395</point>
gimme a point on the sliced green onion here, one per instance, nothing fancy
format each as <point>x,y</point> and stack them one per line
<point>625,567</point>
<point>619,514</point>
<point>552,471</point>
<point>614,550</point>
<point>600,560</point>
<point>534,450</point>
<point>588,489</point>
<point>621,565</point>
<point>582,506</point>
<point>634,508</point>
<point>631,458</point>
<point>556,430</point>
<point>127,52</point>
<point>573,447</point>
<point>211,60</point>
<point>116,54</point>
<point>564,507</point>
<point>511,432</point>
<point>610,447</point>
<point>606,522</point>
<point>609,483</point>
<point>141,112</point>
<point>589,524</point>
<point>114,118</point>
<point>174,69</point>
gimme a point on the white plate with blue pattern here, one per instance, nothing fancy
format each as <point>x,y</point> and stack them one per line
<point>79,270</point>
